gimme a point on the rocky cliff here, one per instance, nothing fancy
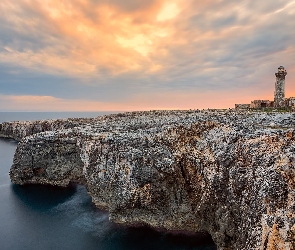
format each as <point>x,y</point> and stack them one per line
<point>20,129</point>
<point>228,173</point>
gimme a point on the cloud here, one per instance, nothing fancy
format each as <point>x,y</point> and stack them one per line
<point>112,51</point>
<point>168,100</point>
<point>71,42</point>
<point>50,103</point>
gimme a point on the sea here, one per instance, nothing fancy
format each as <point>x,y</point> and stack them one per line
<point>38,217</point>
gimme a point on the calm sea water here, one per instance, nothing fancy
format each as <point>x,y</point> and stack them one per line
<point>35,217</point>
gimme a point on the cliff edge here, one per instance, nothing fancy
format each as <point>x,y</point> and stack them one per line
<point>228,173</point>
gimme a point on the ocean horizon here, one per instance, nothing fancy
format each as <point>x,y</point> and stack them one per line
<point>7,116</point>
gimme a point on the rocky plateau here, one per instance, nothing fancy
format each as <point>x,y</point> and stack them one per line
<point>228,173</point>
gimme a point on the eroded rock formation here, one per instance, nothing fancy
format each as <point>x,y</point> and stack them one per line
<point>20,129</point>
<point>231,174</point>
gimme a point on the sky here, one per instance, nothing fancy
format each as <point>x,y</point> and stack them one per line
<point>115,55</point>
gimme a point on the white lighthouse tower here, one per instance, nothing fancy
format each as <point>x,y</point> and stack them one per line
<point>279,97</point>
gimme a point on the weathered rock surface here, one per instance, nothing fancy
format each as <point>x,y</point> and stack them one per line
<point>20,129</point>
<point>228,173</point>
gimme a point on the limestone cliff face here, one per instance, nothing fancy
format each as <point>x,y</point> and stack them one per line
<point>20,129</point>
<point>231,174</point>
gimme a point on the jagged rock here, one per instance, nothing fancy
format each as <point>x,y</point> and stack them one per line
<point>20,129</point>
<point>228,173</point>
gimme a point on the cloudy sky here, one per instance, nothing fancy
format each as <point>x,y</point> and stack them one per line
<point>91,55</point>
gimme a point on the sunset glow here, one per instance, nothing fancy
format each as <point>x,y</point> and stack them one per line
<point>139,55</point>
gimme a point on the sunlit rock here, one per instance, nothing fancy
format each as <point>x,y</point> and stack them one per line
<point>228,173</point>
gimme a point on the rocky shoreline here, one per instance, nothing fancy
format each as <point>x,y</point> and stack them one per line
<point>228,173</point>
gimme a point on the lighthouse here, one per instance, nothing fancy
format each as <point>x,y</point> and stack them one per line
<point>279,97</point>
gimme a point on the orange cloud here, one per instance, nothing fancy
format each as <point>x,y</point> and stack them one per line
<point>93,35</point>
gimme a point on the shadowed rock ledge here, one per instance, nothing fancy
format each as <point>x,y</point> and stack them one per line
<point>228,173</point>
